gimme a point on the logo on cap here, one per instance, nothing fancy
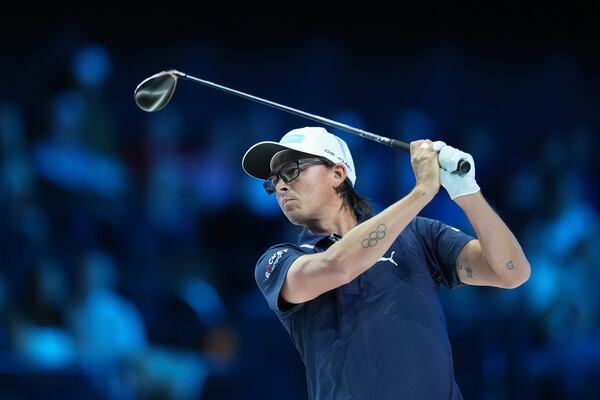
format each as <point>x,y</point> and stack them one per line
<point>292,139</point>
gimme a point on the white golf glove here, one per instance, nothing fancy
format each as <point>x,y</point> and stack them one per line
<point>455,184</point>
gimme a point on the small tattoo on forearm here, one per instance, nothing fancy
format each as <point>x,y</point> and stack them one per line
<point>510,265</point>
<point>466,268</point>
<point>469,271</point>
<point>374,236</point>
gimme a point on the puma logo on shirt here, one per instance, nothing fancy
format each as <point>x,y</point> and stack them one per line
<point>390,259</point>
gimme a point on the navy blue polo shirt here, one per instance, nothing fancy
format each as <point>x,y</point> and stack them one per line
<point>383,335</point>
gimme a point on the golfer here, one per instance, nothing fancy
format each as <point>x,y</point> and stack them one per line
<point>358,293</point>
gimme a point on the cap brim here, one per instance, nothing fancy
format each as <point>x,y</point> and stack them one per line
<point>256,162</point>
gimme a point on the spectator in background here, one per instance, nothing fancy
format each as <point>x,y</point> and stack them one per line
<point>38,326</point>
<point>108,329</point>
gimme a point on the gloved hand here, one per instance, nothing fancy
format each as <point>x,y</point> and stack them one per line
<point>455,184</point>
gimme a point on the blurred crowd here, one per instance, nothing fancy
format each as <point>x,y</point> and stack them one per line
<point>128,240</point>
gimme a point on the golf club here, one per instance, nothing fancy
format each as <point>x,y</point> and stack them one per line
<point>155,92</point>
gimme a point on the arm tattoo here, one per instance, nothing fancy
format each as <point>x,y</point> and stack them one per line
<point>510,265</point>
<point>466,268</point>
<point>374,236</point>
<point>469,272</point>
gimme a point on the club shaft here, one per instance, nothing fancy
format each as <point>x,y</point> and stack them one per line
<point>397,144</point>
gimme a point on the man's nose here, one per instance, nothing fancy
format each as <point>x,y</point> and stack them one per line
<point>281,186</point>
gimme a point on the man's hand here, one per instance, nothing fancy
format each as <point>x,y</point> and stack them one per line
<point>424,161</point>
<point>455,184</point>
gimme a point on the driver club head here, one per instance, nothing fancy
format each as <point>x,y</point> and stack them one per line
<point>155,92</point>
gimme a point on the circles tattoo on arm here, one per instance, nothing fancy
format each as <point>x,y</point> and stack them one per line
<point>374,236</point>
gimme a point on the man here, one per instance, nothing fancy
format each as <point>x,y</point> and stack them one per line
<point>358,293</point>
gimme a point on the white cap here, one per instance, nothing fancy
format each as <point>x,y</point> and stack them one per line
<point>311,140</point>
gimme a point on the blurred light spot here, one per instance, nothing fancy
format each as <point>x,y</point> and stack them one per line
<point>47,347</point>
<point>92,66</point>
<point>108,327</point>
<point>257,199</point>
<point>575,224</point>
<point>544,288</point>
<point>212,179</point>
<point>69,110</point>
<point>205,300</point>
<point>80,170</point>
<point>184,373</point>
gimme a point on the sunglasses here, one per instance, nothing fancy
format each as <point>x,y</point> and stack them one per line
<point>288,173</point>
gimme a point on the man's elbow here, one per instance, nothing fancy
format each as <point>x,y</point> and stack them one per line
<point>341,274</point>
<point>337,266</point>
<point>520,277</point>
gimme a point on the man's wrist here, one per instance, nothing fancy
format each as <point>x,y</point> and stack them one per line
<point>465,201</point>
<point>425,192</point>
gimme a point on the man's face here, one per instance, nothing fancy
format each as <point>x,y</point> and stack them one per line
<point>306,197</point>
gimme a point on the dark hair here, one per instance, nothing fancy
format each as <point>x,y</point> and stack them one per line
<point>360,206</point>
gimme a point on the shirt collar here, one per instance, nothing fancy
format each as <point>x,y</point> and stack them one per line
<point>317,241</point>
<point>307,239</point>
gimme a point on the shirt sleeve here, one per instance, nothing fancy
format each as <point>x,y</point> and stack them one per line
<point>270,272</point>
<point>443,243</point>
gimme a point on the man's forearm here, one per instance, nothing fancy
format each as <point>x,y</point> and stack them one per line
<point>364,244</point>
<point>501,249</point>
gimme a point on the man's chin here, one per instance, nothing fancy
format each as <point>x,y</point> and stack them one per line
<point>294,217</point>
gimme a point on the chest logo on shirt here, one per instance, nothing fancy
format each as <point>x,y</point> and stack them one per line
<point>273,262</point>
<point>390,259</point>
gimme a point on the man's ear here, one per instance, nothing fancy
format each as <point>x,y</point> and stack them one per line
<point>339,175</point>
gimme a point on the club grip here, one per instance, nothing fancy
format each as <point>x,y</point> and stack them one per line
<point>463,165</point>
<point>399,145</point>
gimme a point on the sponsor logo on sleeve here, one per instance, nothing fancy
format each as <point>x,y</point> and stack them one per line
<point>273,262</point>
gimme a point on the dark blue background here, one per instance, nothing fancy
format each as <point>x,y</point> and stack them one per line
<point>128,240</point>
